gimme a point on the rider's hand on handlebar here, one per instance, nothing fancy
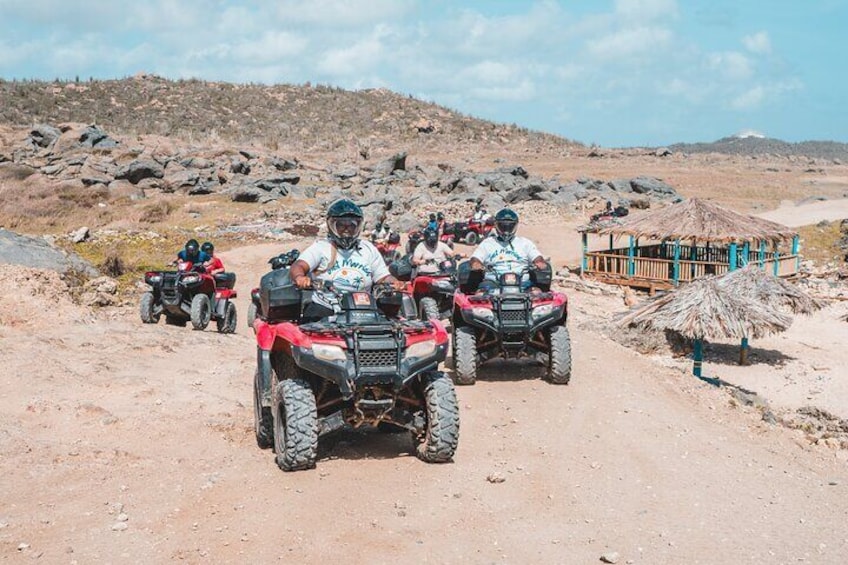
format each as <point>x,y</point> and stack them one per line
<point>399,286</point>
<point>303,282</point>
<point>540,264</point>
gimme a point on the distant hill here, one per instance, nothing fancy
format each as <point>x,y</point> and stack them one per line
<point>754,145</point>
<point>302,116</point>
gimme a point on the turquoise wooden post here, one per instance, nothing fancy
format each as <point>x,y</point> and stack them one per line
<point>776,260</point>
<point>763,255</point>
<point>732,257</point>
<point>746,250</point>
<point>584,263</point>
<point>631,262</point>
<point>676,276</point>
<point>693,256</point>
<point>698,356</point>
<point>796,244</point>
<point>743,352</point>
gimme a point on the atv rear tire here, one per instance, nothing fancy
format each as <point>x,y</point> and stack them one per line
<point>251,315</point>
<point>295,425</point>
<point>263,419</point>
<point>201,311</point>
<point>464,356</point>
<point>559,361</point>
<point>439,441</point>
<point>428,308</point>
<point>471,238</point>
<point>146,309</point>
<point>227,324</point>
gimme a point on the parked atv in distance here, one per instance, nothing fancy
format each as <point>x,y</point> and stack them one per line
<point>471,232</point>
<point>510,322</point>
<point>367,365</point>
<point>433,293</point>
<point>190,294</point>
<point>283,260</point>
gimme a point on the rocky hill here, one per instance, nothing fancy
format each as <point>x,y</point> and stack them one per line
<point>768,147</point>
<point>299,117</point>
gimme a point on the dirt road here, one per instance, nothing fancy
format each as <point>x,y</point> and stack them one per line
<point>807,214</point>
<point>129,443</point>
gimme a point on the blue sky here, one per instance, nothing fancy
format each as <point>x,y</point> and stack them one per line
<point>615,72</point>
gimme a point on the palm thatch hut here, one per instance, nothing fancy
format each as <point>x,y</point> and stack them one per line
<point>685,242</point>
<point>704,310</point>
<point>751,283</point>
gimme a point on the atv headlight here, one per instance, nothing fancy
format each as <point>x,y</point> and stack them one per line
<point>154,279</point>
<point>442,284</point>
<point>421,349</point>
<point>190,279</point>
<point>328,352</point>
<point>483,313</point>
<point>543,311</point>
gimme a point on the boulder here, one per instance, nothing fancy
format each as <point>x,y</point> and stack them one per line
<point>38,253</point>
<point>239,167</point>
<point>396,162</point>
<point>281,164</point>
<point>44,135</point>
<point>80,235</point>
<point>620,185</point>
<point>93,136</point>
<point>140,169</point>
<point>652,186</point>
<point>197,163</point>
<point>523,193</point>
<point>514,170</point>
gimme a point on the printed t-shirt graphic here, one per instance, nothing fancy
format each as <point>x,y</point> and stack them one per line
<point>354,269</point>
<point>506,257</point>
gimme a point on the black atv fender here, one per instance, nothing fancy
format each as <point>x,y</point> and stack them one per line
<point>263,361</point>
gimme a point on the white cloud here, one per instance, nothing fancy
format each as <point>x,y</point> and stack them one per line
<point>270,46</point>
<point>351,60</point>
<point>749,99</point>
<point>730,65</point>
<point>343,13</point>
<point>758,43</point>
<point>645,10</point>
<point>632,42</point>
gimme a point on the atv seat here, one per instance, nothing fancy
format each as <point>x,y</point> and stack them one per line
<point>225,280</point>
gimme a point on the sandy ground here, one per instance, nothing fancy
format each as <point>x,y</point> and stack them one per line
<point>794,216</point>
<point>131,443</point>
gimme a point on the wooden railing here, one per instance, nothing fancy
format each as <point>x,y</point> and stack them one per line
<point>617,264</point>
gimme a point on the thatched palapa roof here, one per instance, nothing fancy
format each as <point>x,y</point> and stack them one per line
<point>696,220</point>
<point>752,283</point>
<point>705,310</point>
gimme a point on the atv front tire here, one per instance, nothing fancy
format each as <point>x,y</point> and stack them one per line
<point>201,311</point>
<point>439,441</point>
<point>428,308</point>
<point>146,309</point>
<point>464,356</point>
<point>471,238</point>
<point>295,425</point>
<point>251,315</point>
<point>263,419</point>
<point>559,361</point>
<point>227,324</point>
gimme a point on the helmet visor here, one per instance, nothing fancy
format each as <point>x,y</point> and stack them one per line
<point>506,227</point>
<point>345,226</point>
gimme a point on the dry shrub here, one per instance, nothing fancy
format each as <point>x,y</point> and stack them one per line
<point>156,212</point>
<point>113,265</point>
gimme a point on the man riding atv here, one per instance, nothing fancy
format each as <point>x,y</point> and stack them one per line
<point>430,253</point>
<point>192,253</point>
<point>506,252</point>
<point>345,260</point>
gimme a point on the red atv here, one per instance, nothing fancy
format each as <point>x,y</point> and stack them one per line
<point>190,293</point>
<point>367,365</point>
<point>510,321</point>
<point>389,248</point>
<point>434,292</point>
<point>471,232</point>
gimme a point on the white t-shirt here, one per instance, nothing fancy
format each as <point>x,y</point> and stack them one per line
<point>354,269</point>
<point>509,257</point>
<point>439,254</point>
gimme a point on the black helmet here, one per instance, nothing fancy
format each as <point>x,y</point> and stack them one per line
<point>208,248</point>
<point>506,221</point>
<point>192,248</point>
<point>344,223</point>
<point>440,216</point>
<point>394,237</point>
<point>431,237</point>
<point>432,217</point>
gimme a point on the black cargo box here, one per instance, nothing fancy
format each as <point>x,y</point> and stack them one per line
<point>468,280</point>
<point>542,278</point>
<point>402,268</point>
<point>278,297</point>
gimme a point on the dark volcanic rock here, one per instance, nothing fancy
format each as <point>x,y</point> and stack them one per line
<point>139,170</point>
<point>93,136</point>
<point>16,249</point>
<point>44,135</point>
